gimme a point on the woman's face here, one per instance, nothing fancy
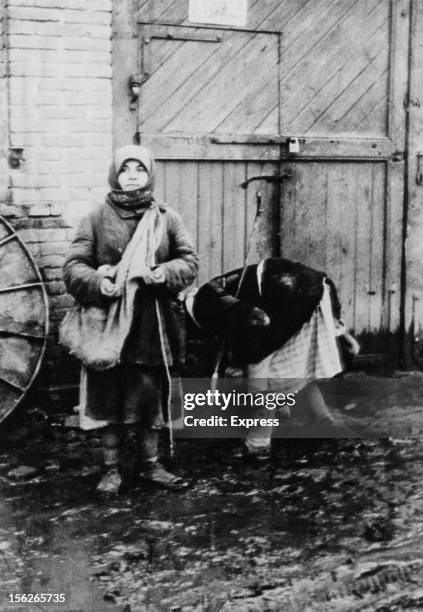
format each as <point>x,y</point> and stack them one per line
<point>132,175</point>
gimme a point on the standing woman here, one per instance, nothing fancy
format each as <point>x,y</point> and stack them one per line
<point>131,395</point>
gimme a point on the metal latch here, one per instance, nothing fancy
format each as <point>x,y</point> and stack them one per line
<point>134,83</point>
<point>398,156</point>
<point>419,172</point>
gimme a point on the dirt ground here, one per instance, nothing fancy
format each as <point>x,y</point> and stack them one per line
<point>326,525</point>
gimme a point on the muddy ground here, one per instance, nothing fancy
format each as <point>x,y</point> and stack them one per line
<point>326,525</point>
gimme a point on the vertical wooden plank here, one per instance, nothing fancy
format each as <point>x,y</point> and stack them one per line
<point>363,288</point>
<point>125,58</point>
<point>171,175</point>
<point>160,182</point>
<point>377,247</point>
<point>233,215</point>
<point>334,254</point>
<point>288,210</point>
<point>188,199</point>
<point>315,219</point>
<point>181,192</point>
<point>414,287</point>
<point>210,193</point>
<point>289,191</point>
<point>297,232</point>
<point>400,25</point>
<point>262,237</point>
<point>394,215</point>
<point>341,243</point>
<point>396,170</point>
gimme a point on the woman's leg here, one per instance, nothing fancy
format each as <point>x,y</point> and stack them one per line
<point>322,423</point>
<point>143,402</point>
<point>258,439</point>
<point>150,467</point>
<point>111,480</point>
<point>315,404</point>
<point>147,444</point>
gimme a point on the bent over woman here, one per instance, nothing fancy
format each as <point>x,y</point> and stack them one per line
<point>280,320</point>
<point>129,397</point>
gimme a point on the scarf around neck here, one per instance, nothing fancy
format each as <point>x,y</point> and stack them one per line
<point>130,204</point>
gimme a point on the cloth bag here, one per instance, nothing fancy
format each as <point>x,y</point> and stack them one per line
<point>82,332</point>
<point>96,335</point>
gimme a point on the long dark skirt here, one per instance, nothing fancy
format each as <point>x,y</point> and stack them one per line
<point>128,393</point>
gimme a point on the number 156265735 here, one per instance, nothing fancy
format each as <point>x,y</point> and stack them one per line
<point>37,598</point>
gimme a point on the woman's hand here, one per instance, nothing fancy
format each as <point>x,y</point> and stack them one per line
<point>108,271</point>
<point>350,345</point>
<point>108,289</point>
<point>154,276</point>
<point>234,372</point>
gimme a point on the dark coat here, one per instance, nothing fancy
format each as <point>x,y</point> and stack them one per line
<point>101,238</point>
<point>289,294</point>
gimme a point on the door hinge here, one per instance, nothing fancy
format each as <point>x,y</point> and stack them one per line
<point>398,156</point>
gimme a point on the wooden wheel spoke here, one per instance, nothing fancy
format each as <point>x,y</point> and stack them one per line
<point>13,385</point>
<point>7,239</point>
<point>20,287</point>
<point>6,333</point>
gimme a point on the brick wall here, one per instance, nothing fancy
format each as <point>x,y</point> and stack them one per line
<point>59,87</point>
<point>4,113</point>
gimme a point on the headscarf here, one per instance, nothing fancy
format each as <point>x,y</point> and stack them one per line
<point>131,203</point>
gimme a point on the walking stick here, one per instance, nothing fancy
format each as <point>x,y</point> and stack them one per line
<point>169,381</point>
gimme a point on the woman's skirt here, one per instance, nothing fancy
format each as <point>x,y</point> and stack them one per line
<point>312,353</point>
<point>126,394</point>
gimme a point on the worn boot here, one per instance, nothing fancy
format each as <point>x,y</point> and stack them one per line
<point>259,455</point>
<point>150,468</point>
<point>111,481</point>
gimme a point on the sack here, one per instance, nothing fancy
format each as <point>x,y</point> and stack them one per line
<point>84,333</point>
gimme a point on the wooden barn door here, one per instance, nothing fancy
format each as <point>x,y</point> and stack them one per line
<point>209,107</point>
<point>343,86</point>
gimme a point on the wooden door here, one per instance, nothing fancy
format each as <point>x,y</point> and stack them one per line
<point>218,106</point>
<point>343,86</point>
<point>209,107</point>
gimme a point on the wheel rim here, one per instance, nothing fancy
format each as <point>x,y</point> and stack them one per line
<point>24,319</point>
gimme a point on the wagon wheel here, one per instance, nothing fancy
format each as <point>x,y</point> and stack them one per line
<point>23,319</point>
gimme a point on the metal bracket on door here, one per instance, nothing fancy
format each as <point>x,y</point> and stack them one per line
<point>195,37</point>
<point>134,83</point>
<point>179,36</point>
<point>419,173</point>
<point>268,178</point>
